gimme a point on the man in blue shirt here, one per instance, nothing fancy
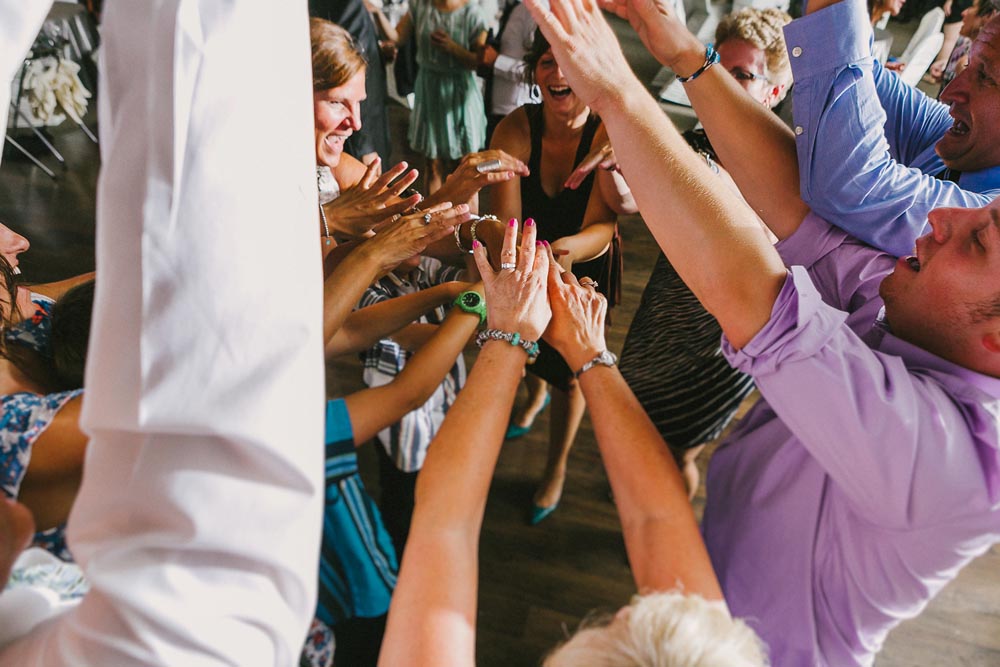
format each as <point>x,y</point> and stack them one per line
<point>875,155</point>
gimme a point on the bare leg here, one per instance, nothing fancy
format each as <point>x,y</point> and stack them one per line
<point>16,529</point>
<point>538,390</point>
<point>687,461</point>
<point>567,411</point>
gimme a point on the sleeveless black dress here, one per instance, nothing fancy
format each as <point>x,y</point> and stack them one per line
<point>556,217</point>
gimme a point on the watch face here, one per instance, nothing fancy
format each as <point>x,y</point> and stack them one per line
<point>471,299</point>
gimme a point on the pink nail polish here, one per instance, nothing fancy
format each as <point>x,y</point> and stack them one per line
<point>512,222</point>
<point>539,244</point>
<point>476,244</point>
<point>529,222</point>
<point>546,243</point>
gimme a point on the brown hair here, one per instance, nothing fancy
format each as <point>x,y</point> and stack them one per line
<point>763,29</point>
<point>335,56</point>
<point>539,47</point>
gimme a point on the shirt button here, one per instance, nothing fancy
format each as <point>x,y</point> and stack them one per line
<point>797,51</point>
<point>798,130</point>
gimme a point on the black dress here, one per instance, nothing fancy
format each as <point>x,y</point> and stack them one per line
<point>556,217</point>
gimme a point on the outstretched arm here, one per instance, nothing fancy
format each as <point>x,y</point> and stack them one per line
<point>376,408</point>
<point>432,620</point>
<point>756,148</point>
<point>366,326</point>
<point>719,250</point>
<point>866,146</point>
<point>664,544</point>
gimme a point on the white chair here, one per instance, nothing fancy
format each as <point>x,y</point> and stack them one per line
<point>921,58</point>
<point>932,23</point>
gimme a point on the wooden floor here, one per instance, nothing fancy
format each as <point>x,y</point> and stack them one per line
<point>536,582</point>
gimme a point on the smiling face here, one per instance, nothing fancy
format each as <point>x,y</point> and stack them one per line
<point>556,93</point>
<point>946,298</point>
<point>973,141</point>
<point>336,116</point>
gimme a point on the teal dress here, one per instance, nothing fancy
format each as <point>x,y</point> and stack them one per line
<point>448,118</point>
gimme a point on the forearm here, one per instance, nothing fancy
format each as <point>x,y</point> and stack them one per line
<point>616,192</point>
<point>661,534</point>
<point>754,145</point>
<point>464,57</point>
<point>590,242</point>
<point>719,249</point>
<point>57,289</point>
<point>343,288</point>
<point>437,589</point>
<point>414,336</point>
<point>366,326</point>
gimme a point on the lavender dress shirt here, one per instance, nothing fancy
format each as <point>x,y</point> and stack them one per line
<point>865,140</point>
<point>866,479</point>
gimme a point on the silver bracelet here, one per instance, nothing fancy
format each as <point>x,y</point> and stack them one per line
<point>476,219</point>
<point>604,358</point>
<point>529,346</point>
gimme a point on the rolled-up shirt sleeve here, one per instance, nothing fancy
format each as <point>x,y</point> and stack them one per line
<point>891,440</point>
<point>849,171</point>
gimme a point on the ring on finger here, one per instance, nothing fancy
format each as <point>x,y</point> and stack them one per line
<point>590,283</point>
<point>508,266</point>
<point>488,166</point>
<point>427,218</point>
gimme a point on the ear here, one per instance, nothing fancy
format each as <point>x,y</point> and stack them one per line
<point>991,341</point>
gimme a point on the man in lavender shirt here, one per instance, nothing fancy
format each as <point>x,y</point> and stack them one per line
<point>870,473</point>
<point>875,155</point>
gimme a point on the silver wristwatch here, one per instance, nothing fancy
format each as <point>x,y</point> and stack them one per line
<point>605,358</point>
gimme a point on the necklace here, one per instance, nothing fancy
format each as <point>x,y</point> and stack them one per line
<point>326,226</point>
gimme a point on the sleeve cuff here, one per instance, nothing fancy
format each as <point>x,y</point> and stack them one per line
<point>830,39</point>
<point>801,324</point>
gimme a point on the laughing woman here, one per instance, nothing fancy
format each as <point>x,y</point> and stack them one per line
<point>553,137</point>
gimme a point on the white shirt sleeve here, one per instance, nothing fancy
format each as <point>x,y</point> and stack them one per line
<point>199,515</point>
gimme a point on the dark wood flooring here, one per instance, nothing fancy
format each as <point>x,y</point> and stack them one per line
<point>536,582</point>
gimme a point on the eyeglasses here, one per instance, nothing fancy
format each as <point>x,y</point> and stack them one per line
<point>743,75</point>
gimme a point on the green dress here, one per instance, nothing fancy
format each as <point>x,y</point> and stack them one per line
<point>448,117</point>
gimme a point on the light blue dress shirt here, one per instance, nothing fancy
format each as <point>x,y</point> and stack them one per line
<point>865,139</point>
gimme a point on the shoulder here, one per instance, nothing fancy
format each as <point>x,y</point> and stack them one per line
<point>513,134</point>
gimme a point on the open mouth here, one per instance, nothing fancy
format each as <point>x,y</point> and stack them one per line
<point>958,128</point>
<point>335,142</point>
<point>913,263</point>
<point>559,92</point>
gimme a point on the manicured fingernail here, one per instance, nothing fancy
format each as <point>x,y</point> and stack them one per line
<point>476,244</point>
<point>539,244</point>
<point>512,222</point>
<point>529,222</point>
<point>546,243</point>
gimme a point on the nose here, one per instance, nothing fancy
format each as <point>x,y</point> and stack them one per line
<point>940,225</point>
<point>11,243</point>
<point>355,117</point>
<point>958,89</point>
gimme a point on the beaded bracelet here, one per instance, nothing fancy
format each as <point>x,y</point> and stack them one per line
<point>476,219</point>
<point>711,57</point>
<point>529,346</point>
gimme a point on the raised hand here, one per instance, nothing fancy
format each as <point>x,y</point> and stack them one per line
<point>516,301</point>
<point>585,48</point>
<point>477,170</point>
<point>665,36</point>
<point>578,311</point>
<point>411,234</point>
<point>373,200</point>
<point>603,157</point>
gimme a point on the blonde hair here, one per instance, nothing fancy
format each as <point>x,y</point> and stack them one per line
<point>761,28</point>
<point>335,56</point>
<point>664,630</point>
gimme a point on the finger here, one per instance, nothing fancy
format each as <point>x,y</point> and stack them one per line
<point>483,264</point>
<point>541,261</point>
<point>580,173</point>
<point>555,282</point>
<point>405,181</point>
<point>526,260</point>
<point>547,22</point>
<point>372,172</point>
<point>385,179</point>
<point>508,251</point>
<point>401,207</point>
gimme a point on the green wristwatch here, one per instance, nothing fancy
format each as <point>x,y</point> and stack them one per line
<point>472,302</point>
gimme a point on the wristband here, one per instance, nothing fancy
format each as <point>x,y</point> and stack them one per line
<point>605,358</point>
<point>476,219</point>
<point>473,303</point>
<point>529,346</point>
<point>711,57</point>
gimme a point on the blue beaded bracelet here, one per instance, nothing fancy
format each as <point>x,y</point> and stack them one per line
<point>711,57</point>
<point>529,346</point>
